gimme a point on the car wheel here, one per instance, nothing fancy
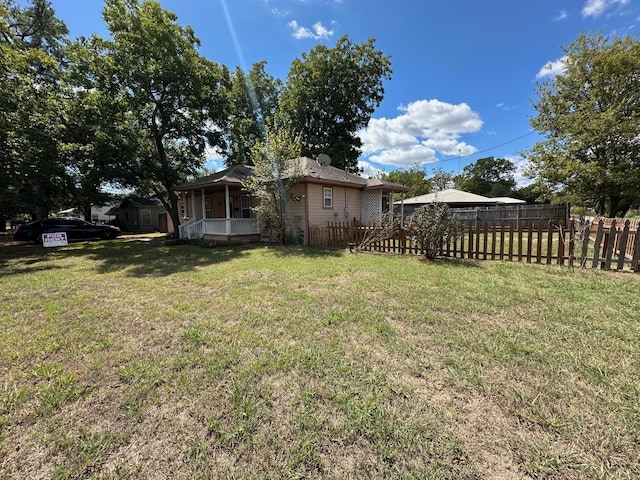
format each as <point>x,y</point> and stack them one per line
<point>106,235</point>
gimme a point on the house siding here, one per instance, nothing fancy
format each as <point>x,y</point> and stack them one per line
<point>351,198</point>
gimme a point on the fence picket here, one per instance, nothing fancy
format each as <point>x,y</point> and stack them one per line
<point>510,241</point>
<point>550,230</point>
<point>622,245</point>
<point>635,260</point>
<point>596,244</point>
<point>609,245</point>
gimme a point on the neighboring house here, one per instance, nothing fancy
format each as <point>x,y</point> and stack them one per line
<point>218,207</point>
<point>142,215</point>
<point>98,213</point>
<point>454,199</point>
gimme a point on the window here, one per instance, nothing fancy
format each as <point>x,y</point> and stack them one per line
<point>182,212</point>
<point>327,195</point>
<point>246,206</point>
<point>145,216</point>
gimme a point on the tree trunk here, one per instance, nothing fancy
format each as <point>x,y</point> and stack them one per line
<point>171,205</point>
<point>86,211</point>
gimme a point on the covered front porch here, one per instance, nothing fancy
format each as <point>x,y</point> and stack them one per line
<point>217,207</point>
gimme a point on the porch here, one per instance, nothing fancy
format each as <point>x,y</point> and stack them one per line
<point>217,207</point>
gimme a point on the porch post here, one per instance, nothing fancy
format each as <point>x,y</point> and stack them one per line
<point>228,208</point>
<point>204,212</point>
<point>193,204</point>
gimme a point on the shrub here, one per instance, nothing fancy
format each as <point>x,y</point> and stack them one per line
<point>431,227</point>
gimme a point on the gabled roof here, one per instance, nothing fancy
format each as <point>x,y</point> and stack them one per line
<point>450,196</point>
<point>233,175</point>
<point>136,202</point>
<point>312,171</point>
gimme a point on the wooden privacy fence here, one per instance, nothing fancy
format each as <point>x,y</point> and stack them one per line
<point>512,213</point>
<point>586,244</point>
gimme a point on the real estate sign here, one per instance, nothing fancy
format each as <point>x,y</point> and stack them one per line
<point>57,239</point>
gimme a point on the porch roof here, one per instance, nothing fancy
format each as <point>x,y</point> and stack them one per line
<point>233,176</point>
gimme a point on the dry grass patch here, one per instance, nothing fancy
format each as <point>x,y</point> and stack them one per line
<point>130,359</point>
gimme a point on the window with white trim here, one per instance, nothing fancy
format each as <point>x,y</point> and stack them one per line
<point>246,206</point>
<point>327,196</point>
<point>145,216</point>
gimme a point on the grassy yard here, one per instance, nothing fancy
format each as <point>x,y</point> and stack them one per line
<point>127,360</point>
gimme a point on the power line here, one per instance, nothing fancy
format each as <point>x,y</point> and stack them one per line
<point>482,151</point>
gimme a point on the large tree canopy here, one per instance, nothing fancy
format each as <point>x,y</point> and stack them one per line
<point>176,97</point>
<point>413,178</point>
<point>330,94</point>
<point>491,177</point>
<point>33,177</point>
<point>253,100</point>
<point>590,116</point>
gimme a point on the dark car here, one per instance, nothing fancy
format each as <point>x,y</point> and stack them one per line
<point>75,229</point>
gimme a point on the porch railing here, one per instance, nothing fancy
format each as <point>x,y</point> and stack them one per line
<point>231,226</point>
<point>191,229</point>
<point>194,229</point>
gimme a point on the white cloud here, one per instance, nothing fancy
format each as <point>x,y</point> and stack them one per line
<point>521,165</point>
<point>562,14</point>
<point>595,8</point>
<point>316,32</point>
<point>424,129</point>
<point>368,170</point>
<point>551,69</point>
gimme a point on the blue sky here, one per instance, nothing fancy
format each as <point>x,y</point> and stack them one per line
<point>464,71</point>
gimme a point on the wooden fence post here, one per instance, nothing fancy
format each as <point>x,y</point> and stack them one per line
<point>622,246</point>
<point>610,245</point>
<point>635,260</point>
<point>585,228</point>
<point>596,245</point>
<point>550,230</point>
<point>539,242</point>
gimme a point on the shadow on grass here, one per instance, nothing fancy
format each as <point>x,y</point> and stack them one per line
<point>287,251</point>
<point>136,258</point>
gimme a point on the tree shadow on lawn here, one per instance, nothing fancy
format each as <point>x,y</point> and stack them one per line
<point>135,258</point>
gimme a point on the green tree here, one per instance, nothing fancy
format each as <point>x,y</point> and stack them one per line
<point>275,175</point>
<point>441,180</point>
<point>253,102</point>
<point>34,178</point>
<point>590,118</point>
<point>413,178</point>
<point>177,97</point>
<point>330,94</point>
<point>491,177</point>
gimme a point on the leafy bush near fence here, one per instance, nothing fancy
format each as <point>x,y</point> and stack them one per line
<point>431,227</point>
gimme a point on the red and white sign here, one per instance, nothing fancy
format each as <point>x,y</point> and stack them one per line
<point>57,239</point>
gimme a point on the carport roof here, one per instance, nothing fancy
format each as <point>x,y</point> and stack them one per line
<point>450,196</point>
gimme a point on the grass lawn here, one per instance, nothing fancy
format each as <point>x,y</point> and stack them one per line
<point>128,359</point>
